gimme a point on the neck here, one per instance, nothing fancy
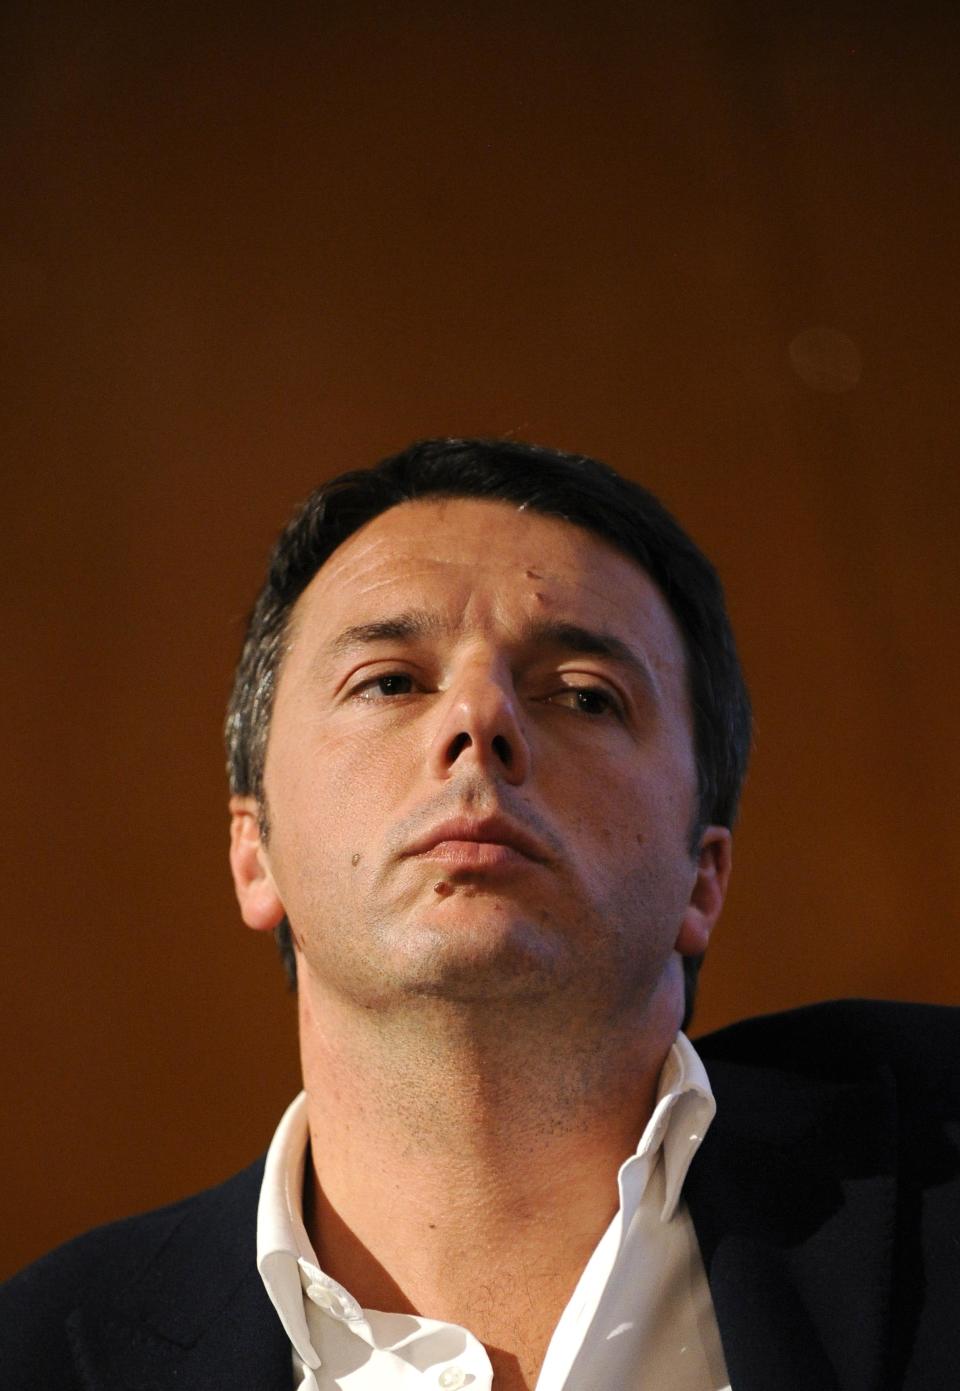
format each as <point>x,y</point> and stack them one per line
<point>452,1139</point>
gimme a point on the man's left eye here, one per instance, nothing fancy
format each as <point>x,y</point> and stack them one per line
<point>589,700</point>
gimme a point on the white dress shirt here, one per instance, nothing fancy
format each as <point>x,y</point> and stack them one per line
<point>640,1318</point>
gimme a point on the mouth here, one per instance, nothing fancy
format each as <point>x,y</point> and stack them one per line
<point>490,843</point>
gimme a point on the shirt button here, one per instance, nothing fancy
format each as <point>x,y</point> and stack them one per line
<point>452,1378</point>
<point>324,1299</point>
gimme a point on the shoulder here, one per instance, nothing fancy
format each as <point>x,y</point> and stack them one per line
<point>845,1038</point>
<point>102,1267</point>
<point>844,1048</point>
<point>832,1170</point>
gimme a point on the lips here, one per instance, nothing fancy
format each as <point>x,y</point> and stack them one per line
<point>480,841</point>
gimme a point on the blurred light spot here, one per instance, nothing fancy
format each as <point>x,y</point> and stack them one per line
<point>826,359</point>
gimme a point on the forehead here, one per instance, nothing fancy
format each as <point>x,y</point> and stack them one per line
<point>452,544</point>
<point>481,560</point>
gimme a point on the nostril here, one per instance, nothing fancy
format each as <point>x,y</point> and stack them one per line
<point>499,745</point>
<point>457,746</point>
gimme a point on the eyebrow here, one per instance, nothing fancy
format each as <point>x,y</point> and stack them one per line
<point>589,642</point>
<point>411,624</point>
<point>417,624</point>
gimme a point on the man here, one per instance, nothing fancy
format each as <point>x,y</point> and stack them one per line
<point>485,744</point>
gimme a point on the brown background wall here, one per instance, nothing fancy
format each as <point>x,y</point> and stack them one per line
<point>249,246</point>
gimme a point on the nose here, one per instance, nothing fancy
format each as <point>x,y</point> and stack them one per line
<point>480,728</point>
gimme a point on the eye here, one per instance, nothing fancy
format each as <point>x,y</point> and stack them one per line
<point>588,700</point>
<point>388,683</point>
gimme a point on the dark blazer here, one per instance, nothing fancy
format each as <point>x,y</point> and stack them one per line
<point>826,1199</point>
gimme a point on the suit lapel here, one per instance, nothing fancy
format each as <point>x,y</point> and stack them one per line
<point>793,1200</point>
<point>243,1348</point>
<point>197,1316</point>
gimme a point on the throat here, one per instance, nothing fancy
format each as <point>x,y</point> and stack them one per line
<point>505,1277</point>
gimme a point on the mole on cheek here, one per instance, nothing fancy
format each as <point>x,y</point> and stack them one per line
<point>442,888</point>
<point>355,859</point>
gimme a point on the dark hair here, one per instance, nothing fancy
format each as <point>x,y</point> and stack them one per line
<point>577,489</point>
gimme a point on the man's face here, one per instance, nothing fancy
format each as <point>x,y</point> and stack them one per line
<point>480,775</point>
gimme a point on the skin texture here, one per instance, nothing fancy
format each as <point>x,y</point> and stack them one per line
<point>482,1025</point>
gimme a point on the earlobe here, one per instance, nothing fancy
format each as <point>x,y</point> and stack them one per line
<point>260,903</point>
<point>714,863</point>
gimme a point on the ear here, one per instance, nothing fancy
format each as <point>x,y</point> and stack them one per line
<point>260,903</point>
<point>714,862</point>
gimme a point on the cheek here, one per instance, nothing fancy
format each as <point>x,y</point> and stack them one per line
<point>632,818</point>
<point>369,765</point>
<point>325,790</point>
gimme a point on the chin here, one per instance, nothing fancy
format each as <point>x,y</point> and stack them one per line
<point>472,957</point>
